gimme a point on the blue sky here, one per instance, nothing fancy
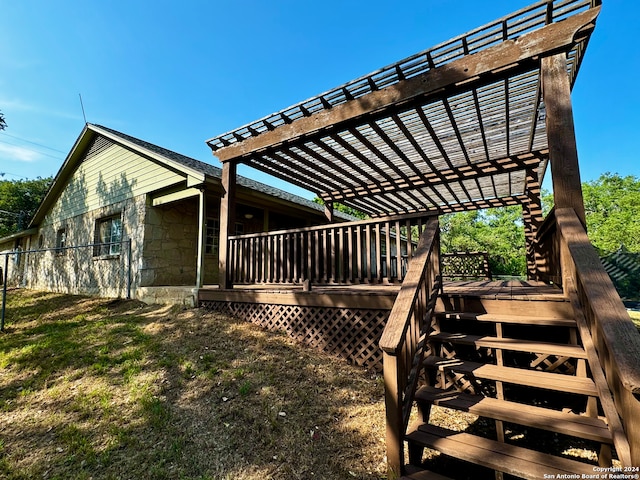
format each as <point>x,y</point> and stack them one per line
<point>177,73</point>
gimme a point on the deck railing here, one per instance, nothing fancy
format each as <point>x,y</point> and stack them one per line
<point>465,266</point>
<point>546,251</point>
<point>404,339</point>
<point>615,338</point>
<point>368,251</point>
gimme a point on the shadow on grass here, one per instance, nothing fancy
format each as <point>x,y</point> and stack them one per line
<point>113,389</point>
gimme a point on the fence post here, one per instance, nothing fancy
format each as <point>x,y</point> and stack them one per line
<point>129,269</point>
<point>4,289</point>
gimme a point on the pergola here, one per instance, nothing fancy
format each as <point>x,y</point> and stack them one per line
<point>469,124</point>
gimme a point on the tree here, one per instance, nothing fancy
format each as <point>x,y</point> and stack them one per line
<point>3,122</point>
<point>612,206</point>
<point>498,231</point>
<point>343,208</point>
<point>19,200</point>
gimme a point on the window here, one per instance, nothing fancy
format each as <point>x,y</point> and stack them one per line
<point>108,236</point>
<point>213,236</point>
<point>61,240</point>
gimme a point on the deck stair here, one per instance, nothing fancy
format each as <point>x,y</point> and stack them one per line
<point>519,365</point>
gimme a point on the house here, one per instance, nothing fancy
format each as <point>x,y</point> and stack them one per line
<point>113,189</point>
<point>469,124</point>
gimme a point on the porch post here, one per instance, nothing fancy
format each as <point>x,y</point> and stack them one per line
<point>202,232</point>
<point>532,219</point>
<point>328,211</point>
<point>227,220</point>
<point>563,153</point>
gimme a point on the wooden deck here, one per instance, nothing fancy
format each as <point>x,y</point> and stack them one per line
<point>322,294</point>
<point>513,289</point>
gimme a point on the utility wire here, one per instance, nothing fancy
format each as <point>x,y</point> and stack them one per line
<point>32,150</point>
<point>32,143</point>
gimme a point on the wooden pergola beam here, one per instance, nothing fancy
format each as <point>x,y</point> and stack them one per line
<point>466,206</point>
<point>433,178</point>
<point>496,61</point>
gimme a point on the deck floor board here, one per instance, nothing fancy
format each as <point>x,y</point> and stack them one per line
<point>499,289</point>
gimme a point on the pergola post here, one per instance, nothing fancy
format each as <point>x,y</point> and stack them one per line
<point>563,152</point>
<point>532,219</point>
<point>227,220</point>
<point>328,211</point>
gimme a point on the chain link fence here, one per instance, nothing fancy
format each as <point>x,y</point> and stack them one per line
<point>102,269</point>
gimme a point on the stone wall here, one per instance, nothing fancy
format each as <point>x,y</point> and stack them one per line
<point>169,253</point>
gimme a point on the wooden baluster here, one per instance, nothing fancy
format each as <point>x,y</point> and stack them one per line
<point>350,256</point>
<point>398,243</point>
<point>360,275</point>
<point>369,253</point>
<point>295,238</point>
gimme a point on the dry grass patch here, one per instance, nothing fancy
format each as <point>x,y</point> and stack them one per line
<point>115,389</point>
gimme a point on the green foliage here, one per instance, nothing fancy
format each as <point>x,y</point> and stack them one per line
<point>19,200</point>
<point>3,122</point>
<point>612,203</point>
<point>343,208</point>
<point>546,198</point>
<point>498,231</point>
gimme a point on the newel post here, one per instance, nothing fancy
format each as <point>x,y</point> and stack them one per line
<point>394,420</point>
<point>227,221</point>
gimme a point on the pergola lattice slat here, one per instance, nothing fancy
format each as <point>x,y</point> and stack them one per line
<point>451,125</point>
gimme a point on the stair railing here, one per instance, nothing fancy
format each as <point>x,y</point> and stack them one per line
<point>614,336</point>
<point>404,340</point>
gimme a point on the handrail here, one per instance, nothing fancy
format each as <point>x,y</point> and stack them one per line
<point>403,340</point>
<point>615,338</point>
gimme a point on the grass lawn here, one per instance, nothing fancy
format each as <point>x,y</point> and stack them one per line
<point>110,389</point>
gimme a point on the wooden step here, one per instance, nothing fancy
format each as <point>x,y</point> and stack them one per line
<point>512,344</point>
<point>513,319</point>
<point>536,417</point>
<point>556,306</point>
<point>517,376</point>
<point>417,473</point>
<point>518,461</point>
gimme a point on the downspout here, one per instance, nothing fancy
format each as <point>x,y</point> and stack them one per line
<point>202,231</point>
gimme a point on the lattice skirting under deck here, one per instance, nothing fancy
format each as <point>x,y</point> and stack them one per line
<point>348,332</point>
